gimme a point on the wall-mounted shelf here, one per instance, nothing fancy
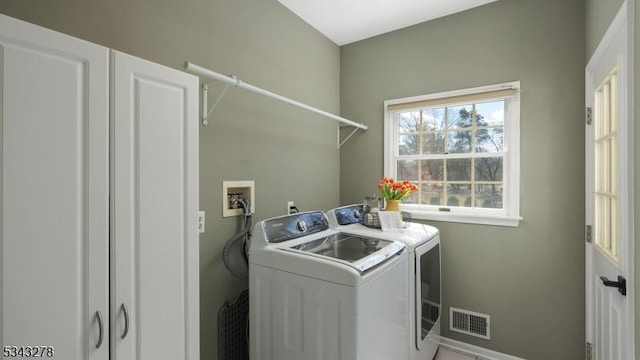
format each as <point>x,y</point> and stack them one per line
<point>211,75</point>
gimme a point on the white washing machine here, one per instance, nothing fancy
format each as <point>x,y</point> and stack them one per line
<point>318,294</point>
<point>423,246</point>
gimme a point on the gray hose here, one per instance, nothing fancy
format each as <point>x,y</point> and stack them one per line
<point>242,234</point>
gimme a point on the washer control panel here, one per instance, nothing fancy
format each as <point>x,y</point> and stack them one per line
<point>293,226</point>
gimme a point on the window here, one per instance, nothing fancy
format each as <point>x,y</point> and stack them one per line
<point>462,149</point>
<point>606,166</point>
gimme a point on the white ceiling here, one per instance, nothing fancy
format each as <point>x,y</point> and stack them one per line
<point>346,21</point>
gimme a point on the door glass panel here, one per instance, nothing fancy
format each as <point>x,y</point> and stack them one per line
<point>606,168</point>
<point>429,290</point>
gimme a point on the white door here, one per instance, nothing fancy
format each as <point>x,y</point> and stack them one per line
<point>609,220</point>
<point>54,200</point>
<point>154,182</point>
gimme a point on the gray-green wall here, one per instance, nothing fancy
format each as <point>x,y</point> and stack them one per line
<point>290,153</point>
<point>529,279</point>
<point>599,15</point>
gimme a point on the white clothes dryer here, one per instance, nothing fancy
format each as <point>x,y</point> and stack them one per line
<point>424,292</point>
<point>319,294</point>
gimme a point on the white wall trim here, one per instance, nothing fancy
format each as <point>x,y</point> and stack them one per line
<point>485,354</point>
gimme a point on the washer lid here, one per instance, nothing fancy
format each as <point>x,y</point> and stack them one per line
<point>361,253</point>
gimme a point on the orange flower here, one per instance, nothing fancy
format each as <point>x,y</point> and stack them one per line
<point>396,190</point>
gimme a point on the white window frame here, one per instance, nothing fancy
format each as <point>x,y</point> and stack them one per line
<point>510,214</point>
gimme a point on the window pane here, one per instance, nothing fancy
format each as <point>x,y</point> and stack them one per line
<point>433,119</point>
<point>489,196</point>
<point>409,122</point>
<point>433,143</point>
<point>459,142</point>
<point>411,199</point>
<point>432,194</point>
<point>489,169</point>
<point>409,145</point>
<point>459,194</point>
<point>490,140</point>
<point>490,113</point>
<point>408,169</point>
<point>459,116</point>
<point>432,170</point>
<point>459,170</point>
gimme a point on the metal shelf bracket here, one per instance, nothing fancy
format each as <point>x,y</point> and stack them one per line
<point>206,112</point>
<point>340,143</point>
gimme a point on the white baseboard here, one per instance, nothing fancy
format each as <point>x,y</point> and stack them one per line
<point>474,350</point>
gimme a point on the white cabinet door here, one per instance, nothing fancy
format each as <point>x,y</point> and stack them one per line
<point>154,211</point>
<point>54,199</point>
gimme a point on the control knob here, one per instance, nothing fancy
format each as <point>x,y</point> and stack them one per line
<point>302,226</point>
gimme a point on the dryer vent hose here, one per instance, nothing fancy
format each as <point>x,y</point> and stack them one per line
<point>243,234</point>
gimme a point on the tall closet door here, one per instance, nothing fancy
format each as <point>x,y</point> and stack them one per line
<point>54,198</point>
<point>154,211</point>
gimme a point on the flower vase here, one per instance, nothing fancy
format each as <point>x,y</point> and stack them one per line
<point>392,205</point>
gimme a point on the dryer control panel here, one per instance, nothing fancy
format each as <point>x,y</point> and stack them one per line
<point>348,215</point>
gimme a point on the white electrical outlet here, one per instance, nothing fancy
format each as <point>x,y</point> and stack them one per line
<point>290,204</point>
<point>201,221</point>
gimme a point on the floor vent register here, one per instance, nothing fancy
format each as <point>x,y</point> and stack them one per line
<point>469,323</point>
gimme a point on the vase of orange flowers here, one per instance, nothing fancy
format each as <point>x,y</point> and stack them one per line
<point>394,191</point>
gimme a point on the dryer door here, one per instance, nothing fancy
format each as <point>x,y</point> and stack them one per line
<point>427,289</point>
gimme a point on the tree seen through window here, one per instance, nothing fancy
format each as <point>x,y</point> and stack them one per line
<point>455,153</point>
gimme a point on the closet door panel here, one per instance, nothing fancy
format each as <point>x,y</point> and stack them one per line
<point>54,214</point>
<point>155,198</point>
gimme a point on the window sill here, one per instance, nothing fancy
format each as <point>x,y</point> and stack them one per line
<point>465,218</point>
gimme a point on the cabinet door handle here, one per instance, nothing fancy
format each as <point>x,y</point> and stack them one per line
<point>101,328</point>
<point>123,307</point>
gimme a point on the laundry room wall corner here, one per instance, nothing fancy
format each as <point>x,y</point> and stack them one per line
<point>290,153</point>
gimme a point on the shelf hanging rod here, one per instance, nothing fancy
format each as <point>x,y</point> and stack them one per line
<point>209,74</point>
